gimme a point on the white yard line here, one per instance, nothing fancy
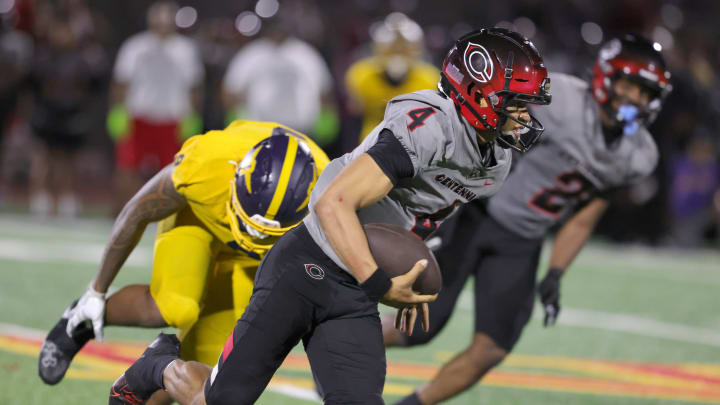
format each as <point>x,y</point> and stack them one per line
<point>75,228</point>
<point>637,325</point>
<point>296,392</point>
<point>667,263</point>
<point>21,331</point>
<point>621,322</point>
<point>73,252</point>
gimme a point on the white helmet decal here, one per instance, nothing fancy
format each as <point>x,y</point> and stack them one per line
<point>610,50</point>
<point>478,62</point>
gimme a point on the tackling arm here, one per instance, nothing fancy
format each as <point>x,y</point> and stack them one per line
<point>156,200</point>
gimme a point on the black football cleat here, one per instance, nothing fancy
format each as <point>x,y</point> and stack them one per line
<point>121,393</point>
<point>58,349</point>
<point>139,381</point>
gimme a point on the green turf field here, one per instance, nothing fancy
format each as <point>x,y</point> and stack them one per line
<point>638,327</point>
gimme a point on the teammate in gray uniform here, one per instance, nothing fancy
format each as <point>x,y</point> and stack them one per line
<point>319,283</point>
<point>596,141</point>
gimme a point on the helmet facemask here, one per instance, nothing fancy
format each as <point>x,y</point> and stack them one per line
<point>524,138</point>
<point>247,231</point>
<point>629,116</point>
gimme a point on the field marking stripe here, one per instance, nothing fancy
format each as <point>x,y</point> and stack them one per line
<point>105,369</point>
<point>503,377</point>
<point>654,373</point>
<point>73,252</point>
<point>707,370</point>
<point>280,384</point>
<point>638,325</point>
<point>664,372</point>
<point>619,322</point>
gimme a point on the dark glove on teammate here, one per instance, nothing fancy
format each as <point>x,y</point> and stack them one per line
<point>549,291</point>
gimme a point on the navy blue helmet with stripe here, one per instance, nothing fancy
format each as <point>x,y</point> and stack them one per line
<point>271,190</point>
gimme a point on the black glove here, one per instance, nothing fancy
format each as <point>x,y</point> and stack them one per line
<point>549,291</point>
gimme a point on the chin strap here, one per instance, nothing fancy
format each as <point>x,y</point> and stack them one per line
<point>506,87</point>
<point>611,134</point>
<point>487,152</point>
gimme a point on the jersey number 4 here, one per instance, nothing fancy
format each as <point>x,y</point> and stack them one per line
<point>428,223</point>
<point>418,116</point>
<point>572,188</point>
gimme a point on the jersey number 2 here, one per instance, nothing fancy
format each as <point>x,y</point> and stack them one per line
<point>572,187</point>
<point>419,115</point>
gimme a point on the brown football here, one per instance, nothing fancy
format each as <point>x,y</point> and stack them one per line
<point>396,251</point>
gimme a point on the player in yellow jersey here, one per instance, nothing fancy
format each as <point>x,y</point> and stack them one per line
<point>221,205</point>
<point>395,68</point>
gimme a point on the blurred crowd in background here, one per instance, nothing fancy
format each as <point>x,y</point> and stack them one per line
<point>97,96</point>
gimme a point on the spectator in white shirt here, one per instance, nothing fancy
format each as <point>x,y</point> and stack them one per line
<point>156,94</point>
<point>281,78</point>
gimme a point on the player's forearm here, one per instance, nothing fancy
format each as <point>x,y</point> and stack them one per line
<point>568,243</point>
<point>156,200</point>
<point>359,184</point>
<point>575,233</point>
<point>343,230</point>
<point>125,236</point>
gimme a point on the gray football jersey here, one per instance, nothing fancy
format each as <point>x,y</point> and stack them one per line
<point>446,160</point>
<point>570,165</point>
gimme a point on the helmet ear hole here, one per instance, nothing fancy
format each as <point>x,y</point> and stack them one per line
<point>483,103</point>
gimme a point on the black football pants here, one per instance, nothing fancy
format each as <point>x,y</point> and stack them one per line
<point>300,294</point>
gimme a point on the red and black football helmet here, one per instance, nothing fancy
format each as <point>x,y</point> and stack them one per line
<point>639,60</point>
<point>490,69</point>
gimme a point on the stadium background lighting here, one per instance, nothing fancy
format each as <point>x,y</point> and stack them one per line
<point>248,23</point>
<point>186,17</point>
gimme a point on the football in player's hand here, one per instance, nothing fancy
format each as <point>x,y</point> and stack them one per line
<point>396,251</point>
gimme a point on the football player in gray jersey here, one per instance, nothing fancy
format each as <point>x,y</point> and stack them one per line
<point>596,141</point>
<point>319,283</point>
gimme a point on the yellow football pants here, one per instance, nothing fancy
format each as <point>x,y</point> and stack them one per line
<point>199,285</point>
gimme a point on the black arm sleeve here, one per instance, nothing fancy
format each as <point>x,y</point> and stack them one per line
<point>392,158</point>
